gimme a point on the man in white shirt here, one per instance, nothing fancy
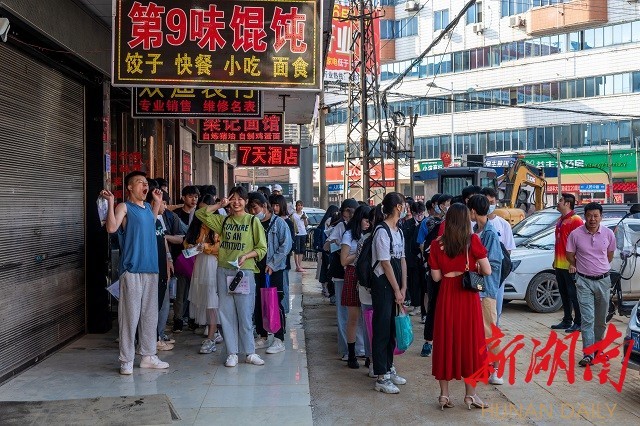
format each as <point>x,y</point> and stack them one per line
<point>300,223</point>
<point>505,234</point>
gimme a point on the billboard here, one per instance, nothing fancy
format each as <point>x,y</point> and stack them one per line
<point>269,128</point>
<point>268,155</point>
<point>202,43</point>
<point>184,102</point>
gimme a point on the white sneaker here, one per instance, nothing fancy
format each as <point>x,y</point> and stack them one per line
<point>371,373</point>
<point>232,360</point>
<point>152,361</point>
<point>276,347</point>
<point>262,343</point>
<point>126,368</point>
<point>386,385</point>
<point>495,380</point>
<point>397,380</point>
<point>208,346</point>
<point>414,311</point>
<point>345,357</point>
<point>163,346</point>
<point>217,338</point>
<point>254,359</point>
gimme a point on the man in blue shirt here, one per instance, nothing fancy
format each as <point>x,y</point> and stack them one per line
<point>479,207</point>
<point>135,221</point>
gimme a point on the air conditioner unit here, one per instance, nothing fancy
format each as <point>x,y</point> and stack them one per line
<point>516,21</point>
<point>478,28</point>
<point>411,6</point>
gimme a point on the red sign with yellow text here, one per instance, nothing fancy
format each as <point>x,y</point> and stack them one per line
<point>201,43</point>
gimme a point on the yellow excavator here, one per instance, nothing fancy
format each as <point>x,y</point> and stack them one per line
<point>515,197</point>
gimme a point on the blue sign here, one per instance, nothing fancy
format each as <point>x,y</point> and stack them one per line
<point>335,187</point>
<point>592,187</point>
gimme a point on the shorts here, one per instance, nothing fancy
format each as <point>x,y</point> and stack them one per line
<point>350,295</point>
<point>300,244</point>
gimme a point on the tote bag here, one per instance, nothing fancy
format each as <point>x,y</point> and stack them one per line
<point>270,307</point>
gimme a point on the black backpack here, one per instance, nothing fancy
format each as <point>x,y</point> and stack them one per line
<point>507,266</point>
<point>364,270</point>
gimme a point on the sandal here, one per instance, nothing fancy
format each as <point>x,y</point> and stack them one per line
<point>474,400</point>
<point>443,400</point>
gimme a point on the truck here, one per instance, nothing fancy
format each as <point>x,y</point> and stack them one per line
<point>521,187</point>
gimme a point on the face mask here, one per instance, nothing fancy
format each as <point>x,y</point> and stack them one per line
<point>403,214</point>
<point>437,210</point>
<point>492,207</point>
<point>260,215</point>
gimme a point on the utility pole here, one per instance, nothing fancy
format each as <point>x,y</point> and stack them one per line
<point>559,163</point>
<point>322,155</point>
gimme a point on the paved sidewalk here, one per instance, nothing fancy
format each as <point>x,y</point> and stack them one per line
<point>201,388</point>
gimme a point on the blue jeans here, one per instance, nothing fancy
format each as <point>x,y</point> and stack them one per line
<point>499,301</point>
<point>285,287</point>
<point>163,315</point>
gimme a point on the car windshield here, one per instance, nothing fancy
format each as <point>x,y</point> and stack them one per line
<point>314,218</point>
<point>535,223</point>
<point>545,240</point>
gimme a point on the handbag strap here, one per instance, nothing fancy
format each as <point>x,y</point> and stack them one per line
<point>267,281</point>
<point>466,269</point>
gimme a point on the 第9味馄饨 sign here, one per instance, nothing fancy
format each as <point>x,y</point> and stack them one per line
<point>258,44</point>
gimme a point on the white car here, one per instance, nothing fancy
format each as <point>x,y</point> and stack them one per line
<point>633,338</point>
<point>533,278</point>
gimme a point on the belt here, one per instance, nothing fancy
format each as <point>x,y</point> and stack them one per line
<point>594,277</point>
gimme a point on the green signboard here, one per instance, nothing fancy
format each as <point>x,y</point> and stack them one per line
<point>624,161</point>
<point>430,165</point>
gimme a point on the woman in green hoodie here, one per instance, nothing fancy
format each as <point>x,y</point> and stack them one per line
<point>242,244</point>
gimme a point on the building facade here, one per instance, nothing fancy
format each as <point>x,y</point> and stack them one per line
<point>515,78</point>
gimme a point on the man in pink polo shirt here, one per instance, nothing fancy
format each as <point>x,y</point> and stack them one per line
<point>590,250</point>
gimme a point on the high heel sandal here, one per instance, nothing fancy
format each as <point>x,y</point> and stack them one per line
<point>475,401</point>
<point>443,400</point>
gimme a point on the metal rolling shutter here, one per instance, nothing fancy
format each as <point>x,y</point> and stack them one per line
<point>42,295</point>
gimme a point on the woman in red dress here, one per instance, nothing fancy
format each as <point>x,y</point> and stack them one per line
<point>459,347</point>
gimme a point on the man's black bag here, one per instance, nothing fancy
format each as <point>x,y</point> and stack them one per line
<point>507,266</point>
<point>364,270</point>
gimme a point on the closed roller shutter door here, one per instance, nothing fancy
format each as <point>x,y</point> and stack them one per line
<point>41,209</point>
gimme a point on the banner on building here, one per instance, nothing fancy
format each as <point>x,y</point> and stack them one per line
<point>268,155</point>
<point>184,102</point>
<point>203,43</point>
<point>338,63</point>
<point>587,162</point>
<point>269,128</point>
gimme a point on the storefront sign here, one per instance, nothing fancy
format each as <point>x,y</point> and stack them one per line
<point>203,43</point>
<point>592,187</point>
<point>269,128</point>
<point>499,162</point>
<point>335,187</point>
<point>336,173</point>
<point>430,165</point>
<point>268,155</point>
<point>186,168</point>
<point>182,102</point>
<point>623,161</point>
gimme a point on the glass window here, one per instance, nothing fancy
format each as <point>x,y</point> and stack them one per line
<point>491,145</point>
<point>609,84</point>
<point>522,140</point>
<point>562,90</point>
<point>465,60</point>
<point>485,52</point>
<point>539,138</point>
<point>440,19</point>
<point>459,143</point>
<point>459,103</point>
<point>520,49</point>
<point>564,136</point>
<point>626,32</point>
<point>635,130</point>
<point>495,55</point>
<point>554,91</point>
<point>545,46</point>
<point>386,29</point>
<point>580,88</point>
<point>589,87</point>
<point>473,55</point>
<point>430,65</point>
<point>482,143</point>
<point>446,63</point>
<point>445,144</point>
<point>558,43</point>
<point>596,132</point>
<point>635,85</point>
<point>545,95</point>
<point>600,81</point>
<point>520,100</point>
<point>535,47</point>
<point>474,13</point>
<point>588,39</point>
<point>499,141</point>
<point>598,37</point>
<point>635,31</point>
<point>625,83</point>
<point>531,139</point>
<point>609,132</point>
<point>457,61</point>
<point>574,41</point>
<point>535,93</point>
<point>548,138</point>
<point>576,135</point>
<point>624,129</point>
<point>617,34</point>
<point>473,101</point>
<point>608,35</point>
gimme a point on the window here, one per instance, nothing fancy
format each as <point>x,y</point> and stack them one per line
<point>440,19</point>
<point>636,82</point>
<point>474,13</point>
<point>588,39</point>
<point>406,27</point>
<point>386,29</point>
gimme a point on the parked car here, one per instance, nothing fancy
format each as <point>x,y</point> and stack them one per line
<point>533,278</point>
<point>314,216</point>
<point>546,218</point>
<point>632,337</point>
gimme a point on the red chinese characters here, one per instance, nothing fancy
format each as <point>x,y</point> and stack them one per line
<point>268,155</point>
<point>248,29</point>
<point>554,355</point>
<point>146,25</point>
<point>268,128</point>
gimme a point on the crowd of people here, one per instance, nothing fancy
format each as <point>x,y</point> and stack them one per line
<point>218,252</point>
<point>419,255</point>
<point>373,263</point>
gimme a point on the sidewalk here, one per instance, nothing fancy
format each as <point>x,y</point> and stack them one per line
<point>200,387</point>
<point>341,395</point>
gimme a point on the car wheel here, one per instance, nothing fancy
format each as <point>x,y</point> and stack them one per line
<point>543,294</point>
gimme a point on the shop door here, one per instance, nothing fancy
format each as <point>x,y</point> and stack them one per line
<point>41,210</point>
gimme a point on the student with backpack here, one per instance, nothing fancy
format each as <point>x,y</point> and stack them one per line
<point>350,298</point>
<point>319,238</point>
<point>387,291</point>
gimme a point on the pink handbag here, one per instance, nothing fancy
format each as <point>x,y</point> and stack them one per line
<point>184,266</point>
<point>270,307</point>
<point>368,321</point>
